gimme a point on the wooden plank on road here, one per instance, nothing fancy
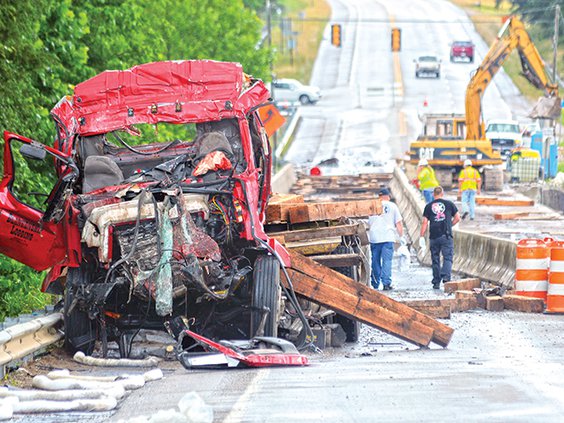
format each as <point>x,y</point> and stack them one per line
<point>320,278</point>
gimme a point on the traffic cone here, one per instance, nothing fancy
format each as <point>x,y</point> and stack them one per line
<point>425,102</point>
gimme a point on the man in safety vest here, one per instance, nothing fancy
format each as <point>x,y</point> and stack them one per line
<point>427,179</point>
<point>469,182</point>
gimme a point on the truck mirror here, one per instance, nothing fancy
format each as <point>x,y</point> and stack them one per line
<point>32,152</point>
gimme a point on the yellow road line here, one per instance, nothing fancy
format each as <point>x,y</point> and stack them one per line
<point>398,77</point>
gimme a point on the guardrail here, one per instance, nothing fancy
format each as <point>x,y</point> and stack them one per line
<point>489,258</point>
<point>26,339</point>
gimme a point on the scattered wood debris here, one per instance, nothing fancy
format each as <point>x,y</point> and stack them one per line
<point>495,201</point>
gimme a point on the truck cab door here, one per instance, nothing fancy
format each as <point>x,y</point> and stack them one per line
<point>31,230</point>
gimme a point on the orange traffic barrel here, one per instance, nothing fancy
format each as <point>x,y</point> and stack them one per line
<point>531,274</point>
<point>555,297</point>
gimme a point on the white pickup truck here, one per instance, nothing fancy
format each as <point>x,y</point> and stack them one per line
<point>505,135</point>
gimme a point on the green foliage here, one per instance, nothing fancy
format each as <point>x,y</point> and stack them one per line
<point>48,46</point>
<point>539,12</point>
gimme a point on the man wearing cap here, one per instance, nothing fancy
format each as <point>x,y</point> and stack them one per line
<point>440,216</point>
<point>469,182</point>
<point>382,235</point>
<point>427,179</point>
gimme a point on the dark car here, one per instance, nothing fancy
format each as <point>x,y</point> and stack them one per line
<point>462,51</point>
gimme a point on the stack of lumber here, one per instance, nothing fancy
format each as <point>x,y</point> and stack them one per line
<point>343,187</point>
<point>329,288</point>
<point>291,208</point>
<point>526,215</point>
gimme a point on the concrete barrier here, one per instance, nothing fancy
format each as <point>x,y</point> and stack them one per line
<point>488,258</point>
<point>283,180</point>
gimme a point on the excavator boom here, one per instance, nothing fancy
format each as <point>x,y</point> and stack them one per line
<point>512,35</point>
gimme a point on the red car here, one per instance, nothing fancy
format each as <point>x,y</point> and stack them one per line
<point>136,231</point>
<point>462,51</point>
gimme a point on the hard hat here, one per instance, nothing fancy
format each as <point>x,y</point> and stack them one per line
<point>467,162</point>
<point>423,162</point>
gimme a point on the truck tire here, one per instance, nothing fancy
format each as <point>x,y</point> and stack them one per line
<point>80,330</point>
<point>437,75</point>
<point>266,293</point>
<point>451,58</point>
<point>417,74</point>
<point>350,326</point>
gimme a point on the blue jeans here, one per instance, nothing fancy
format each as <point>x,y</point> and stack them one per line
<point>468,199</point>
<point>382,255</point>
<point>443,245</point>
<point>428,195</point>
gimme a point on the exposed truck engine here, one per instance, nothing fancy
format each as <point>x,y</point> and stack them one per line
<point>136,232</point>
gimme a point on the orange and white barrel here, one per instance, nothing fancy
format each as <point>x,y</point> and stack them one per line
<point>531,274</point>
<point>555,297</point>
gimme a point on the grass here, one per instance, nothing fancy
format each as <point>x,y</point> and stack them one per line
<point>487,20</point>
<point>307,39</point>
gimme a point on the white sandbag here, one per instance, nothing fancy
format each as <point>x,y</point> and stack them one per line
<point>117,392</point>
<point>195,409</point>
<point>65,374</point>
<point>115,362</point>
<point>7,407</point>
<point>43,382</point>
<point>168,416</point>
<point>152,375</point>
<point>44,406</point>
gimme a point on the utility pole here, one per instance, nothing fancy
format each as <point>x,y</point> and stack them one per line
<point>555,41</point>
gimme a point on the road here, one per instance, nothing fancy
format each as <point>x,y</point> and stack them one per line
<point>372,102</point>
<point>499,367</point>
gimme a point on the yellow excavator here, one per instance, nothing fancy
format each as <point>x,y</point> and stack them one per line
<point>449,139</point>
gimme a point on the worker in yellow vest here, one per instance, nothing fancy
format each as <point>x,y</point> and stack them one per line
<point>469,182</point>
<point>427,179</point>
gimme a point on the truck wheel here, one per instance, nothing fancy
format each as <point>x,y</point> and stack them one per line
<point>437,75</point>
<point>417,74</point>
<point>266,294</point>
<point>80,331</point>
<point>471,59</point>
<point>350,326</point>
<point>452,58</point>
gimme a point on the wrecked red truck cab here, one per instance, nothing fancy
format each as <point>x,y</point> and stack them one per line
<point>163,176</point>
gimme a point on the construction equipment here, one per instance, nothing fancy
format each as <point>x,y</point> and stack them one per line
<point>449,139</point>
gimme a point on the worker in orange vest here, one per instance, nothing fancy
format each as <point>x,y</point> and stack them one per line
<point>469,182</point>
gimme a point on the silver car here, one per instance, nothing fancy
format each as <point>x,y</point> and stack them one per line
<point>291,90</point>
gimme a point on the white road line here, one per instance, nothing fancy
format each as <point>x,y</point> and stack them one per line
<point>237,413</point>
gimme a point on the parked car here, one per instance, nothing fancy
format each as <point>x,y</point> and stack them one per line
<point>291,90</point>
<point>427,65</point>
<point>462,51</point>
<point>505,135</point>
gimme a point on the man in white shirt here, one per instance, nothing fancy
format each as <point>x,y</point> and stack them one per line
<point>382,235</point>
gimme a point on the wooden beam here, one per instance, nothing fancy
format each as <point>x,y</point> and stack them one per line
<point>361,308</point>
<point>276,198</point>
<point>523,304</point>
<point>437,309</point>
<point>316,247</point>
<point>494,303</point>
<point>320,233</point>
<point>489,201</point>
<point>278,212</point>
<point>337,260</point>
<point>461,285</point>
<point>309,212</point>
<point>341,285</point>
